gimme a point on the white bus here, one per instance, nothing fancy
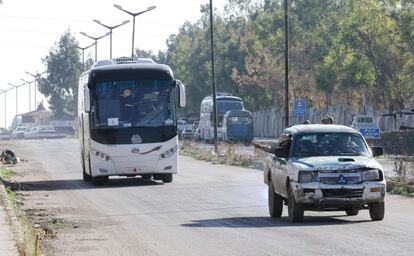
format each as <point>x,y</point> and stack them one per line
<point>225,102</point>
<point>127,120</point>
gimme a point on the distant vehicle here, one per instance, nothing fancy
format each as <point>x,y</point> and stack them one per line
<point>4,134</point>
<point>127,120</point>
<point>366,125</point>
<point>225,102</point>
<point>238,126</point>
<point>18,133</point>
<point>324,168</point>
<point>29,133</point>
<point>197,135</point>
<point>187,132</point>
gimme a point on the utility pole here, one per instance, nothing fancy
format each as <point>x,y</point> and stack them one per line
<point>286,63</point>
<point>213,78</point>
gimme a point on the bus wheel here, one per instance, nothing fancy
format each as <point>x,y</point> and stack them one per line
<point>100,180</point>
<point>146,176</point>
<point>86,177</point>
<point>165,177</point>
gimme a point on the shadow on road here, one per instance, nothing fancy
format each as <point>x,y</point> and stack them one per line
<point>261,222</point>
<point>79,184</point>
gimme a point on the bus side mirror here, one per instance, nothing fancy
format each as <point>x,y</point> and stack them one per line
<point>86,100</point>
<point>181,94</point>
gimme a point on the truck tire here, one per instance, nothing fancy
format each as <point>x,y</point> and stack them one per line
<point>377,211</point>
<point>275,202</point>
<point>352,211</point>
<point>295,210</point>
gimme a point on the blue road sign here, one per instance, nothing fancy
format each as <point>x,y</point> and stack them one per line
<point>299,107</point>
<point>370,133</point>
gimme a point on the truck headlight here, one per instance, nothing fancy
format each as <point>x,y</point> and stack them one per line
<point>307,176</point>
<point>371,175</point>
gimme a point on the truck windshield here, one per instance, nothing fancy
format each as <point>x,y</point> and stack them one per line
<point>329,144</point>
<point>132,103</point>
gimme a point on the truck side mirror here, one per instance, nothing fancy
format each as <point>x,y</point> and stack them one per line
<point>282,152</point>
<point>181,94</point>
<point>377,151</point>
<point>86,100</point>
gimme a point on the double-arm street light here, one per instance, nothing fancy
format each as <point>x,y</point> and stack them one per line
<point>83,54</point>
<point>5,105</point>
<point>36,78</point>
<point>213,77</point>
<point>110,32</point>
<point>96,42</point>
<point>134,14</point>
<point>30,92</point>
<point>16,86</point>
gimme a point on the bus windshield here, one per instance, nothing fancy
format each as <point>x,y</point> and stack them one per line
<point>133,103</point>
<point>226,105</point>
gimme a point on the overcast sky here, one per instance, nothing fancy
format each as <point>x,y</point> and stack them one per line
<point>29,28</point>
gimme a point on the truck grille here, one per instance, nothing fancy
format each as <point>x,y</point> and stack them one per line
<point>342,193</point>
<point>333,180</point>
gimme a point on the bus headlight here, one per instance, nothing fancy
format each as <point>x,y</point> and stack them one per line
<point>169,152</point>
<point>307,176</point>
<point>102,156</point>
<point>371,175</point>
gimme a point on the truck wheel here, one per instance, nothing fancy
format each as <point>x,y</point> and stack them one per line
<point>295,210</point>
<point>275,202</point>
<point>100,180</point>
<point>352,212</point>
<point>377,211</point>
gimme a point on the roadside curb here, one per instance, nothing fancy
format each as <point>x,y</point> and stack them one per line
<point>11,217</point>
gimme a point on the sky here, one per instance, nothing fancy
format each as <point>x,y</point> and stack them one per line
<point>30,28</point>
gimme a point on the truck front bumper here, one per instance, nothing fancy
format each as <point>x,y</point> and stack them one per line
<point>315,195</point>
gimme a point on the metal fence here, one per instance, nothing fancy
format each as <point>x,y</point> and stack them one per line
<point>269,123</point>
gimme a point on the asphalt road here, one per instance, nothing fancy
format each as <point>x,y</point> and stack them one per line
<point>207,210</point>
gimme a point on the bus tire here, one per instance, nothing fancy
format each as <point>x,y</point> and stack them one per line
<point>146,176</point>
<point>167,178</point>
<point>99,180</point>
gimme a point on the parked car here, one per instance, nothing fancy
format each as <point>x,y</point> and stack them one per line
<point>324,167</point>
<point>4,134</point>
<point>187,132</point>
<point>18,133</point>
<point>197,134</point>
<point>30,133</point>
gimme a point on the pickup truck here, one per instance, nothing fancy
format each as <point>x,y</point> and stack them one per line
<point>324,167</point>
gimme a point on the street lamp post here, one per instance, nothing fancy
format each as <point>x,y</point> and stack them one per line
<point>83,54</point>
<point>5,106</point>
<point>286,63</point>
<point>213,77</point>
<point>96,42</point>
<point>30,92</point>
<point>110,32</point>
<point>133,21</point>
<point>16,86</point>
<point>36,78</point>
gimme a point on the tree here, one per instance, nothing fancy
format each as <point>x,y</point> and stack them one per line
<point>63,68</point>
